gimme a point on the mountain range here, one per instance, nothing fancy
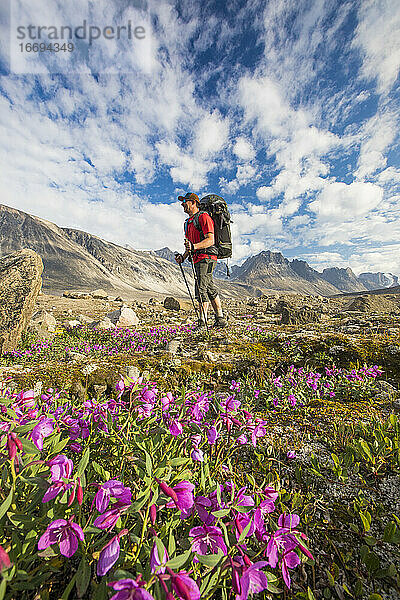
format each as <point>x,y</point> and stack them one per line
<point>78,260</point>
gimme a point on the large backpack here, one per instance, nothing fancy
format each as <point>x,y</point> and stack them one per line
<point>217,208</point>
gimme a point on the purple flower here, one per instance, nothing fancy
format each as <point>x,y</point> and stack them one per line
<point>291,455</point>
<point>62,532</point>
<point>181,494</point>
<point>112,489</point>
<point>212,435</point>
<point>289,521</point>
<point>42,430</point>
<point>289,560</point>
<point>75,447</point>
<point>175,428</point>
<point>156,564</point>
<point>110,554</point>
<point>292,400</point>
<point>252,581</point>
<point>60,467</point>
<point>54,489</point>
<point>197,455</point>
<point>242,439</point>
<point>230,404</point>
<point>207,537</point>
<point>184,587</point>
<point>129,589</point>
<point>167,401</point>
<point>258,431</point>
<point>108,519</point>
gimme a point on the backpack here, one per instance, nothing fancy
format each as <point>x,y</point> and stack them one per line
<point>217,208</point>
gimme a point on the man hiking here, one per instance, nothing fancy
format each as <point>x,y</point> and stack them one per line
<point>200,247</point>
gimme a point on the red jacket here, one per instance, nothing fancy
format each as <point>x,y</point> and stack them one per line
<point>193,235</point>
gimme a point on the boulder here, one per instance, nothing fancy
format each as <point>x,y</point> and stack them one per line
<point>20,283</point>
<point>99,294</point>
<point>105,323</point>
<point>84,320</point>
<point>123,317</point>
<point>291,316</point>
<point>171,303</point>
<point>76,295</point>
<point>44,320</point>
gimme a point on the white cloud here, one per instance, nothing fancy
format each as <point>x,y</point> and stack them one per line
<point>377,36</point>
<point>211,135</point>
<point>243,149</point>
<point>340,201</point>
<point>264,193</point>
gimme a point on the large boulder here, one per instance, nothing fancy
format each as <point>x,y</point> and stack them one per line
<point>306,314</point>
<point>171,303</point>
<point>123,317</point>
<point>43,319</point>
<point>99,294</point>
<point>20,283</point>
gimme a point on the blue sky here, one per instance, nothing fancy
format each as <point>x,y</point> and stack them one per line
<point>290,110</point>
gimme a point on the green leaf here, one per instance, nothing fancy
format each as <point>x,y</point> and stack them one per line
<point>29,447</point>
<point>83,577</point>
<point>375,597</point>
<point>68,589</point>
<point>210,560</point>
<point>3,586</point>
<point>331,579</point>
<point>245,532</point>
<point>171,543</point>
<point>149,464</point>
<point>366,520</point>
<point>160,549</point>
<point>221,513</point>
<point>26,428</point>
<point>179,561</point>
<point>83,462</point>
<point>6,504</point>
<point>176,462</point>
<point>389,532</point>
<point>310,595</point>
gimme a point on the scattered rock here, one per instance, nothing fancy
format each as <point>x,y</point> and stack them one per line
<point>132,371</point>
<point>73,323</point>
<point>123,317</point>
<point>105,323</point>
<point>88,369</point>
<point>173,346</point>
<point>99,294</point>
<point>84,320</point>
<point>291,316</point>
<point>20,283</point>
<point>76,295</point>
<point>43,319</point>
<point>171,303</point>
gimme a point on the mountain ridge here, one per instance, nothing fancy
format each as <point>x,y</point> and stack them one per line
<point>76,259</point>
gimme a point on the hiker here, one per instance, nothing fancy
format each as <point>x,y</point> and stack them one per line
<point>201,249</point>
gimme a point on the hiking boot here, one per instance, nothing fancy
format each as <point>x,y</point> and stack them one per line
<point>219,323</point>
<point>200,326</point>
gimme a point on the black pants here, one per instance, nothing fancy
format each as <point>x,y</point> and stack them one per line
<point>206,290</point>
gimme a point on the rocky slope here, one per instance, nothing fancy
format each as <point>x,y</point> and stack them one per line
<point>374,281</point>
<point>343,279</point>
<point>77,260</point>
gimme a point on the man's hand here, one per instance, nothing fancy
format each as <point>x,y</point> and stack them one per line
<point>189,246</point>
<point>179,258</point>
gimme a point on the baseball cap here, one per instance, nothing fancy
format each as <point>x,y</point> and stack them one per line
<point>189,196</point>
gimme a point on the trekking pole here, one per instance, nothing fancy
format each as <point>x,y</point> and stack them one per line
<point>188,288</point>
<point>198,289</point>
